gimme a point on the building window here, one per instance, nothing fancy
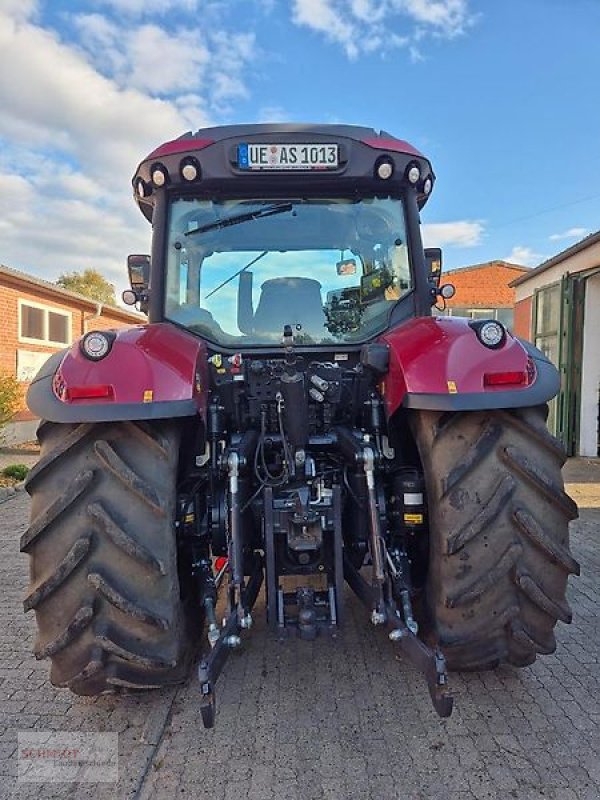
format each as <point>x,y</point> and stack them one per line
<point>547,339</point>
<point>40,324</point>
<point>547,321</point>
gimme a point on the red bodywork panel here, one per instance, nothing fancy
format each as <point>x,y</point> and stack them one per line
<point>395,145</point>
<point>442,356</point>
<point>181,145</point>
<point>147,364</point>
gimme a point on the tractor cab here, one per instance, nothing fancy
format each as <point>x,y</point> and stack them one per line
<point>312,226</point>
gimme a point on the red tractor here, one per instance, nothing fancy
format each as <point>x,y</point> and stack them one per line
<point>292,414</point>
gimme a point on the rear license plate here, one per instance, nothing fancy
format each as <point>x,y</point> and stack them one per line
<point>287,156</point>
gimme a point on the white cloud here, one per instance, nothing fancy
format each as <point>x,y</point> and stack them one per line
<point>62,103</point>
<point>449,18</point>
<point>211,64</point>
<point>571,233</point>
<point>19,9</point>
<point>82,115</point>
<point>147,7</point>
<point>523,255</point>
<point>363,26</point>
<point>231,56</point>
<point>130,56</point>
<point>47,234</point>
<point>272,114</point>
<point>462,233</point>
<point>324,17</point>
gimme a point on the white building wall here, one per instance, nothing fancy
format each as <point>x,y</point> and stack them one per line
<point>584,259</point>
<point>590,373</point>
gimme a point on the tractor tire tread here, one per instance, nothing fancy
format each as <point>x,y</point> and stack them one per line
<point>103,557</point>
<point>497,576</point>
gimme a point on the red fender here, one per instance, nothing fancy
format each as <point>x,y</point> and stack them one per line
<point>439,363</point>
<point>151,372</point>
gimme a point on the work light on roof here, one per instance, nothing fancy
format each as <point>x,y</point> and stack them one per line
<point>189,169</point>
<point>413,174</point>
<point>159,175</point>
<point>427,186</point>
<point>385,168</point>
<point>142,190</point>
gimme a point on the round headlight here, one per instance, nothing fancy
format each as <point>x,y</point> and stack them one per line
<point>189,169</point>
<point>385,169</point>
<point>427,186</point>
<point>491,333</point>
<point>159,175</point>
<point>96,345</point>
<point>413,174</point>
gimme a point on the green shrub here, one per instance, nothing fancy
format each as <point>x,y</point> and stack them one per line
<point>10,397</point>
<point>16,471</point>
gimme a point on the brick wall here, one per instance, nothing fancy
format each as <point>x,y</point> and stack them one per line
<point>82,313</point>
<point>523,318</point>
<point>9,333</point>
<point>483,285</point>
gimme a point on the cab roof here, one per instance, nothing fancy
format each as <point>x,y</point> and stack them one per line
<point>214,152</point>
<point>222,132</point>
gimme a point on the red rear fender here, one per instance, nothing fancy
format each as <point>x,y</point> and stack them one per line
<point>151,372</point>
<point>439,363</point>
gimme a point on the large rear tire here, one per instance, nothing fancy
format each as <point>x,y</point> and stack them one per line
<point>499,534</point>
<point>104,582</point>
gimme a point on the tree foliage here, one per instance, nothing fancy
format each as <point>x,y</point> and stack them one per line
<point>10,398</point>
<point>90,283</point>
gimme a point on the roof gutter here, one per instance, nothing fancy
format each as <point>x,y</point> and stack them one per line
<point>97,315</point>
<point>590,240</point>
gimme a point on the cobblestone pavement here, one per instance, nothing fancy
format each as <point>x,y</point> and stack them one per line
<point>325,719</point>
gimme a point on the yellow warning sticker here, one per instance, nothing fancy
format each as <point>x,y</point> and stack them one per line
<point>413,519</point>
<point>148,396</point>
<point>452,387</point>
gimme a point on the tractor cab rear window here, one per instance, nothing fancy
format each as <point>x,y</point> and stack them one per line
<point>239,270</point>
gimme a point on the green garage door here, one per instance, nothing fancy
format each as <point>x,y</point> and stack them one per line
<point>558,326</point>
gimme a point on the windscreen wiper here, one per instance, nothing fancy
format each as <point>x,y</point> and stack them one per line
<point>235,274</point>
<point>280,208</point>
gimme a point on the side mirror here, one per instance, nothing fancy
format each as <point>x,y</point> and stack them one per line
<point>138,268</point>
<point>433,260</point>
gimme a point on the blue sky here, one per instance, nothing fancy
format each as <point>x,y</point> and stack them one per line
<point>502,96</point>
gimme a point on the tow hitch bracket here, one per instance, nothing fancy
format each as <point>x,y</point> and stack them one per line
<point>211,666</point>
<point>430,662</point>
